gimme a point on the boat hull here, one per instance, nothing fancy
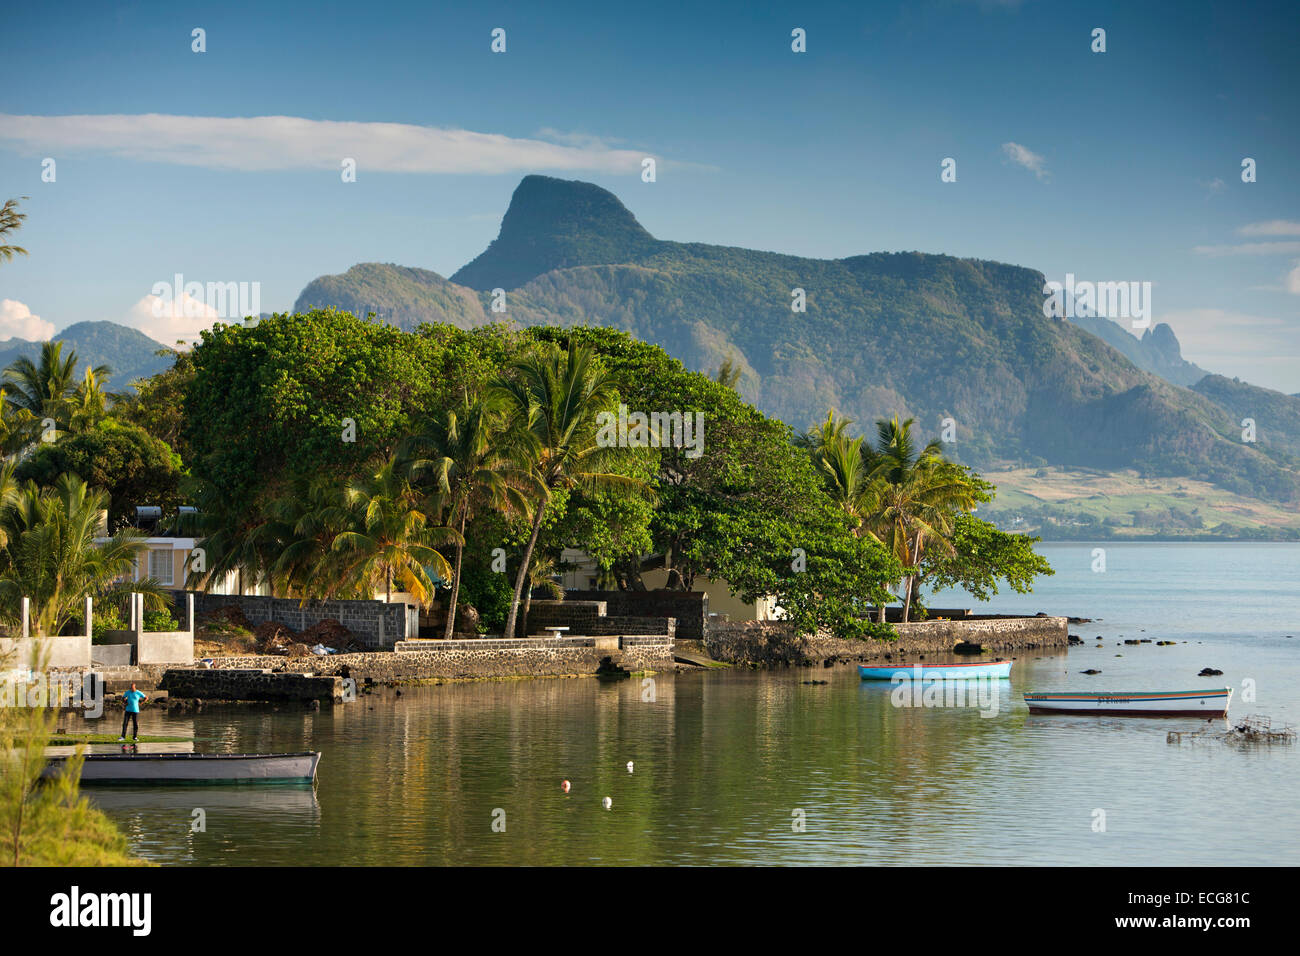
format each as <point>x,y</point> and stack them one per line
<point>1212,702</point>
<point>172,768</point>
<point>985,670</point>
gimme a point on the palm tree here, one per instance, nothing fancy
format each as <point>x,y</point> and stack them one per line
<point>300,531</point>
<point>10,220</point>
<point>44,388</point>
<point>50,554</point>
<point>912,497</point>
<point>467,455</point>
<point>553,397</point>
<point>391,537</point>
<point>89,402</point>
<point>540,576</point>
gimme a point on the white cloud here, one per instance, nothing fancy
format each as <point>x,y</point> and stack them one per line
<point>1292,280</point>
<point>1249,249</point>
<point>259,143</point>
<point>1027,158</point>
<point>1273,227</point>
<point>166,321</point>
<point>17,321</point>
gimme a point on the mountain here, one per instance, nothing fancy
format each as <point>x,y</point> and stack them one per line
<point>556,224</point>
<point>1275,414</point>
<point>1157,351</point>
<point>128,352</point>
<point>910,334</point>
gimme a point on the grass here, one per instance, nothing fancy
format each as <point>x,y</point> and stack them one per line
<point>1118,496</point>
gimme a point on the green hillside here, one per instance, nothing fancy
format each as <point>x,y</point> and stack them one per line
<point>128,352</point>
<point>925,336</point>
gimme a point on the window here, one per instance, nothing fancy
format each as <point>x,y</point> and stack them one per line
<point>160,565</point>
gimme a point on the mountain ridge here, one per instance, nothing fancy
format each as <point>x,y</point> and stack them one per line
<point>932,337</point>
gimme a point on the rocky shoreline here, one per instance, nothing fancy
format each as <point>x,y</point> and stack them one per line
<point>773,643</point>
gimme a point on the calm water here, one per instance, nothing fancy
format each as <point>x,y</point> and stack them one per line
<point>723,760</point>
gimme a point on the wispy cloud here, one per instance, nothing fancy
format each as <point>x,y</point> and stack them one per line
<point>1023,156</point>
<point>1292,280</point>
<point>1272,227</point>
<point>17,321</point>
<point>259,143</point>
<point>1249,249</point>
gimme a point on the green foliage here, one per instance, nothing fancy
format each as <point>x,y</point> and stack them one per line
<point>124,460</point>
<point>488,592</point>
<point>160,621</point>
<point>982,556</point>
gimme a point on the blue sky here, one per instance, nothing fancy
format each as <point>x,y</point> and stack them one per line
<point>1130,159</point>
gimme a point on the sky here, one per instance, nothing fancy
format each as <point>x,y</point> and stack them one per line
<point>226,165</point>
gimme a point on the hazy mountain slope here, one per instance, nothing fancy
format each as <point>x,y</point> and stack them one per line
<point>128,352</point>
<point>403,296</point>
<point>1157,351</point>
<point>1276,414</point>
<point>911,334</point>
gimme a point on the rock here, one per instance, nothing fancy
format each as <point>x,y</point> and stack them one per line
<point>1131,642</point>
<point>814,682</point>
<point>1090,670</point>
<point>1209,672</point>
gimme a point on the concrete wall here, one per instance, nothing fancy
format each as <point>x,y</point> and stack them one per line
<point>773,642</point>
<point>376,623</point>
<point>71,650</point>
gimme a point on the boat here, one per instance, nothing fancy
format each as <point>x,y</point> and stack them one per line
<point>933,671</point>
<point>194,768</point>
<point>1205,702</point>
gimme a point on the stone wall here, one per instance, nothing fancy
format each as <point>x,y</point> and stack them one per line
<point>249,684</point>
<point>375,623</point>
<point>689,608</point>
<point>774,642</point>
<point>487,657</point>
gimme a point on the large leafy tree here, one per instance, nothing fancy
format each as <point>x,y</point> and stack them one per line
<point>745,506</point>
<point>128,464</point>
<point>981,556</point>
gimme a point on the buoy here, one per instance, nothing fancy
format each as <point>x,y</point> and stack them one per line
<point>607,803</point>
<point>565,786</point>
<point>629,766</point>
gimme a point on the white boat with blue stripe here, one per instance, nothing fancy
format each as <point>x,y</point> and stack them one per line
<point>929,671</point>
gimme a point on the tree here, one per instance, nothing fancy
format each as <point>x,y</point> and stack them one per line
<point>553,397</point>
<point>50,555</point>
<point>10,221</point>
<point>982,555</point>
<point>45,389</point>
<point>390,538</point>
<point>466,456</point>
<point>157,404</point>
<point>133,467</point>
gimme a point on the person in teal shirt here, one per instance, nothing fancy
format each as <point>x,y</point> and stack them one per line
<point>133,700</point>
